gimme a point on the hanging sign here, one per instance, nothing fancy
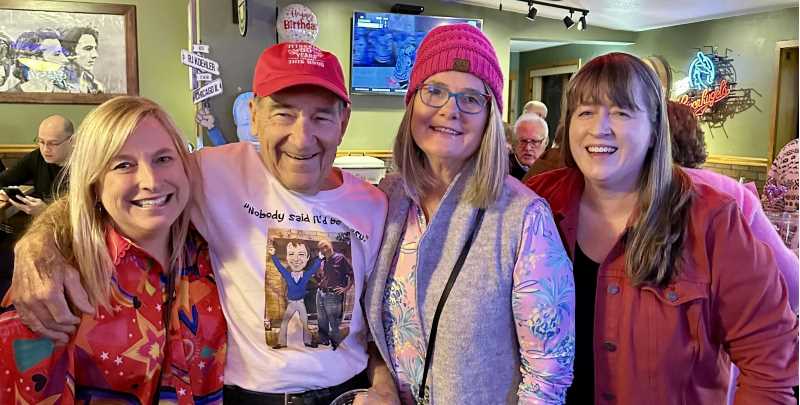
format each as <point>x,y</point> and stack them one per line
<point>707,99</point>
<point>204,77</point>
<point>201,48</point>
<point>209,90</point>
<point>297,23</point>
<point>198,62</point>
<point>707,87</point>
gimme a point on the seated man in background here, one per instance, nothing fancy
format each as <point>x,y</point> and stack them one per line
<point>42,166</point>
<point>551,158</point>
<point>528,142</point>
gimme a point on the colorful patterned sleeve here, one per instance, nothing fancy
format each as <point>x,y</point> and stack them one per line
<point>32,368</point>
<point>543,301</point>
<point>772,203</point>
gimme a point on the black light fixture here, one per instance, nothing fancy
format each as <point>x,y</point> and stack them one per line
<point>568,21</point>
<point>582,23</point>
<point>531,11</point>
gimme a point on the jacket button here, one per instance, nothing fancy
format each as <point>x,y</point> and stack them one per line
<point>672,296</point>
<point>613,289</point>
<point>609,346</point>
<point>608,396</point>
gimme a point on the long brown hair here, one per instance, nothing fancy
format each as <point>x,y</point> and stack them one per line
<point>654,241</point>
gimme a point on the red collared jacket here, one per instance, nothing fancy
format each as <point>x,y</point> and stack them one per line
<point>674,345</point>
<point>117,355</point>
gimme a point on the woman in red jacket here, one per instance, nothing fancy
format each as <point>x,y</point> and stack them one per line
<point>671,286</point>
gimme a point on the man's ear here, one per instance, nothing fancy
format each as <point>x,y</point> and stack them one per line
<point>345,120</point>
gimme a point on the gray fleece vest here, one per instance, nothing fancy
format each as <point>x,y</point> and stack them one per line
<point>476,360</point>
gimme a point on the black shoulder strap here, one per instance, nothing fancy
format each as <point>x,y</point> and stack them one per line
<point>449,286</point>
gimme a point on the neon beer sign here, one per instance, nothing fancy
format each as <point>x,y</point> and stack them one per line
<point>702,77</point>
<point>708,99</point>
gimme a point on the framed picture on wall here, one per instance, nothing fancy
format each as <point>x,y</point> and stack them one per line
<point>67,52</point>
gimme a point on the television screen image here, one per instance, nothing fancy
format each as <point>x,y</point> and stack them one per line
<point>384,46</point>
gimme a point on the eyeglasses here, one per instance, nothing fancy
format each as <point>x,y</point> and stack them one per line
<point>50,144</point>
<point>468,102</point>
<point>531,143</point>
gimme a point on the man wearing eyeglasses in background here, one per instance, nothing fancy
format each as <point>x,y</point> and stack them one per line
<point>528,143</point>
<point>42,166</point>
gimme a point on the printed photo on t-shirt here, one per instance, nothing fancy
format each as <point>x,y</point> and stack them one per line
<point>309,288</point>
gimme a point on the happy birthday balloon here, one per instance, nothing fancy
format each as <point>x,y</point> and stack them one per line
<point>297,23</point>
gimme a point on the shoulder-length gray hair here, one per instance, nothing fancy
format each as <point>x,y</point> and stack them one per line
<point>491,161</point>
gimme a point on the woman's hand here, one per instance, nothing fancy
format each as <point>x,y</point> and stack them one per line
<point>378,395</point>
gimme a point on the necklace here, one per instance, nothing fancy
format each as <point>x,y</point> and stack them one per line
<point>421,221</point>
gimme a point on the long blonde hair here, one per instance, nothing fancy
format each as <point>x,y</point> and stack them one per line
<point>99,138</point>
<point>491,161</point>
<point>654,242</point>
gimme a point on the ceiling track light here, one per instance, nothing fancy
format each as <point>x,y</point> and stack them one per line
<point>569,22</point>
<point>582,23</point>
<point>531,11</point>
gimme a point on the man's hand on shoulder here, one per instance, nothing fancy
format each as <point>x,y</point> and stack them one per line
<point>43,281</point>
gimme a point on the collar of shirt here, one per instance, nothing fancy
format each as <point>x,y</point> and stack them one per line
<point>120,246</point>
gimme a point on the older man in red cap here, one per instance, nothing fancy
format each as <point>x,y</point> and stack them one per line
<point>252,207</point>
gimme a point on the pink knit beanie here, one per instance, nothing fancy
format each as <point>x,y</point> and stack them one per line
<point>459,47</point>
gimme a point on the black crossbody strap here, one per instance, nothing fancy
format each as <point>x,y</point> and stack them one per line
<point>440,306</point>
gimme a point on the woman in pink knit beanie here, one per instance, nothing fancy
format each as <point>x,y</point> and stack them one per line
<point>471,300</point>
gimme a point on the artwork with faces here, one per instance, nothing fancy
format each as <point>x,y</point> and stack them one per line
<point>308,287</point>
<point>62,52</point>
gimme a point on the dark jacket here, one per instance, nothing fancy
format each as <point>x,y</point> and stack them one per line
<point>515,168</point>
<point>33,169</point>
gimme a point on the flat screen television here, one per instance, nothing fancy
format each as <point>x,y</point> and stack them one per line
<point>383,48</point>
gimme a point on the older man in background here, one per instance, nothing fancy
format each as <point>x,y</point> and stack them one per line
<point>529,141</point>
<point>42,166</point>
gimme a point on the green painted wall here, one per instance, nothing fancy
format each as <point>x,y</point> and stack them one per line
<point>375,119</point>
<point>751,40</point>
<point>162,33</point>
<point>556,55</point>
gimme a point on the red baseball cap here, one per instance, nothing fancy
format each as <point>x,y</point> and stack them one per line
<point>297,63</point>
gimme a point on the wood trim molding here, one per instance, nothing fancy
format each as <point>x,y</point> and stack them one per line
<point>738,160</point>
<point>529,82</point>
<point>17,148</point>
<point>378,153</point>
<point>773,122</point>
